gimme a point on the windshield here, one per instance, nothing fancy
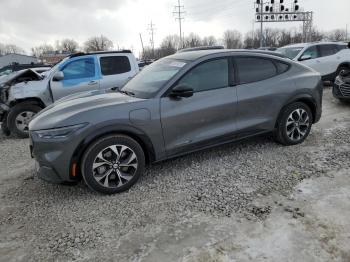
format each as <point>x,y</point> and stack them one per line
<point>290,52</point>
<point>151,79</point>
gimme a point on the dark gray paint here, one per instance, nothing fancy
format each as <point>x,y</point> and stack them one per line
<point>169,126</point>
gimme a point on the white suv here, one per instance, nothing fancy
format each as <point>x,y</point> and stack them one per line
<point>328,58</point>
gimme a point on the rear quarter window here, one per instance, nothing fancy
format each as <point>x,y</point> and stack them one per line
<point>114,65</point>
<point>254,69</point>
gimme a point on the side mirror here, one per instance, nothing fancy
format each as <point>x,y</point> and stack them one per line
<point>305,57</point>
<point>181,91</point>
<point>58,76</point>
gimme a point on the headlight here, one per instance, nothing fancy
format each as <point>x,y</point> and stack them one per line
<point>338,81</point>
<point>61,132</point>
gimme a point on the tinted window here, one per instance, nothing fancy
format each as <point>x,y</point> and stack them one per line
<point>327,50</point>
<point>113,65</point>
<point>281,67</point>
<point>251,69</point>
<point>342,47</point>
<point>311,51</point>
<point>207,76</point>
<point>83,68</point>
<point>290,52</point>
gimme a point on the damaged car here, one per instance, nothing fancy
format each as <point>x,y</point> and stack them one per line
<point>25,93</point>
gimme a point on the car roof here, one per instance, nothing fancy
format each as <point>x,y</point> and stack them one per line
<point>194,55</point>
<point>100,53</point>
<point>314,43</point>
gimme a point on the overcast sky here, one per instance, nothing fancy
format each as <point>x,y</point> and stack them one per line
<point>27,23</point>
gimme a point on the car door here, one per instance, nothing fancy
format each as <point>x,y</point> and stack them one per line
<point>206,117</point>
<point>314,55</point>
<point>263,86</point>
<point>329,60</point>
<point>116,70</point>
<point>80,74</point>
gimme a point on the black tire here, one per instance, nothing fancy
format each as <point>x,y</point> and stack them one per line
<point>4,128</point>
<point>15,112</point>
<point>281,133</point>
<point>344,101</point>
<point>99,146</point>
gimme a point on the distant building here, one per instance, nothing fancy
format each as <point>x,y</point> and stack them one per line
<point>10,59</point>
<point>52,58</point>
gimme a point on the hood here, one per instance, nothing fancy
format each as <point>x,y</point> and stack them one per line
<point>81,95</point>
<point>25,75</point>
<point>81,109</point>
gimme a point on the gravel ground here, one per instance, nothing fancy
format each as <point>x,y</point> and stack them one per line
<point>40,222</point>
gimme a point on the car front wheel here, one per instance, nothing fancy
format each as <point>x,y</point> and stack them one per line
<point>113,164</point>
<point>19,117</point>
<point>294,124</point>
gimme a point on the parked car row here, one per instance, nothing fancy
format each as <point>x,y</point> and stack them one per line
<point>179,104</point>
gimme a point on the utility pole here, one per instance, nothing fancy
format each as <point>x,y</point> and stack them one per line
<point>151,29</point>
<point>346,33</point>
<point>261,24</point>
<point>143,48</point>
<point>179,16</point>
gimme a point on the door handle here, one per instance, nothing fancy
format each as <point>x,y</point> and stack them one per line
<point>91,83</point>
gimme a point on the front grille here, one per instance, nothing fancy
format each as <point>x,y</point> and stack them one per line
<point>345,90</point>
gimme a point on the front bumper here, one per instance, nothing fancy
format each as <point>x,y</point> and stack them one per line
<point>341,91</point>
<point>54,158</point>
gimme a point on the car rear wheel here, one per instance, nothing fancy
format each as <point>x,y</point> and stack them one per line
<point>19,117</point>
<point>294,124</point>
<point>113,164</point>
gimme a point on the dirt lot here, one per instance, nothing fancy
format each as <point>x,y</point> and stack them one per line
<point>248,201</point>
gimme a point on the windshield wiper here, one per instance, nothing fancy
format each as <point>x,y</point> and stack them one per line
<point>129,93</point>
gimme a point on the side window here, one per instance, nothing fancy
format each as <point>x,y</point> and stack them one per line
<point>327,50</point>
<point>114,65</point>
<point>342,47</point>
<point>281,67</point>
<point>207,76</point>
<point>252,69</point>
<point>311,51</point>
<point>82,68</point>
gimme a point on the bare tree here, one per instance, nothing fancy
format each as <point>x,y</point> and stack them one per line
<point>232,39</point>
<point>38,51</point>
<point>209,41</point>
<point>10,49</point>
<point>69,45</point>
<point>337,35</point>
<point>98,43</point>
<point>252,40</point>
<point>192,40</point>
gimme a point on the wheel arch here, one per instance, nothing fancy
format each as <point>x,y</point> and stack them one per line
<point>136,134</point>
<point>344,64</point>
<point>34,100</point>
<point>307,100</point>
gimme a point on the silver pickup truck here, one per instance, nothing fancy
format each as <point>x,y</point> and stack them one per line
<point>25,93</point>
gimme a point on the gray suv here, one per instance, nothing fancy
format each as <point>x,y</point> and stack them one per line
<point>179,104</point>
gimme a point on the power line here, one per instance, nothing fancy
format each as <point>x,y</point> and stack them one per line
<point>179,16</point>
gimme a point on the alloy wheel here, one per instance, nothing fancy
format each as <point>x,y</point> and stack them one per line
<point>297,125</point>
<point>115,166</point>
